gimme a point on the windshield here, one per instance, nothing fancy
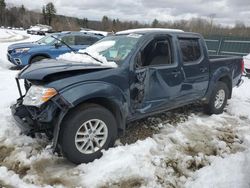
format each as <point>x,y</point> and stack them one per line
<point>114,48</point>
<point>48,40</point>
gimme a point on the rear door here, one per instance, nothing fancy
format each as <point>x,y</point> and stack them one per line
<point>195,68</point>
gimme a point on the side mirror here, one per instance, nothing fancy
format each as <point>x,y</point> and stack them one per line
<point>138,63</point>
<point>57,45</point>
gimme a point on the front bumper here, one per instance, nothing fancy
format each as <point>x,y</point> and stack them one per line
<point>31,119</point>
<point>18,59</point>
<point>21,116</point>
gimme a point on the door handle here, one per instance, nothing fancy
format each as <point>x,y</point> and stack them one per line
<point>203,69</point>
<point>176,73</point>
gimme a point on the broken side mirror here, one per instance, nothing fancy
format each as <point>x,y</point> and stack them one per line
<point>138,63</point>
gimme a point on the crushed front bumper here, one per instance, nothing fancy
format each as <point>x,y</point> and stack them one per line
<point>21,116</point>
<point>32,120</point>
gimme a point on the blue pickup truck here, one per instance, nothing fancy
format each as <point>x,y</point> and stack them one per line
<point>83,107</point>
<point>50,46</point>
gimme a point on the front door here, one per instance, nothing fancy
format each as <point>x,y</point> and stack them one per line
<point>158,77</point>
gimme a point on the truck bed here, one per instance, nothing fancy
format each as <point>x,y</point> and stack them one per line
<point>233,63</point>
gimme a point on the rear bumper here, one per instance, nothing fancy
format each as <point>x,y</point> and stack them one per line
<point>240,82</point>
<point>246,63</point>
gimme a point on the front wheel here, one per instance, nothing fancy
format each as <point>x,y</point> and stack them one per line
<point>218,99</point>
<point>86,131</point>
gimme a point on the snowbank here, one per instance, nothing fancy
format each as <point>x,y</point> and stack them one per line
<point>11,36</point>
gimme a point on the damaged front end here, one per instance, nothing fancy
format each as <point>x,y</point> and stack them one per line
<point>38,118</point>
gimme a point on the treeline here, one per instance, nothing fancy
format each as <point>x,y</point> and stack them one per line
<point>13,16</point>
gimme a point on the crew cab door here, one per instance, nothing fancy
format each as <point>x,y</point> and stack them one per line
<point>195,68</point>
<point>158,77</point>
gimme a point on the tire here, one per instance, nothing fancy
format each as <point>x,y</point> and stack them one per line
<point>37,58</point>
<point>217,102</point>
<point>75,126</point>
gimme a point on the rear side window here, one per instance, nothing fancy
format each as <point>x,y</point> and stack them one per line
<point>85,40</point>
<point>70,40</point>
<point>190,50</point>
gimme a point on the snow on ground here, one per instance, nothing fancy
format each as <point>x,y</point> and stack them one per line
<point>8,35</point>
<point>199,151</point>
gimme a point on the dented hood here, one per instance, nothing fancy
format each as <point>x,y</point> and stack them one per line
<point>41,69</point>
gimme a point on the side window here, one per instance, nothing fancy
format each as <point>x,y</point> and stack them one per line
<point>157,52</point>
<point>190,50</point>
<point>70,40</point>
<point>85,40</point>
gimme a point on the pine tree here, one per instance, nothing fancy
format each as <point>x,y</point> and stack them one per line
<point>2,11</point>
<point>48,12</point>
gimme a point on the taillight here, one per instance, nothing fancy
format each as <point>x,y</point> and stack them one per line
<point>242,67</point>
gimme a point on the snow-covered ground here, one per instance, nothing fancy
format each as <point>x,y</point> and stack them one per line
<point>8,35</point>
<point>199,151</point>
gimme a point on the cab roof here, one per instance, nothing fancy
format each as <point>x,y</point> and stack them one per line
<point>149,30</point>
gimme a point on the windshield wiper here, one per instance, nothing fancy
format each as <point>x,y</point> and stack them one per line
<point>86,53</point>
<point>77,52</point>
<point>64,43</point>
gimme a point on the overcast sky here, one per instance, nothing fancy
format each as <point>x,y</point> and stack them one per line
<point>225,12</point>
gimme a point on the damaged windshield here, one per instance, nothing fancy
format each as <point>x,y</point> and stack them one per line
<point>114,48</point>
<point>110,51</point>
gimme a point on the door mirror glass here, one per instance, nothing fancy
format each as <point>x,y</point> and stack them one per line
<point>58,44</point>
<point>138,63</point>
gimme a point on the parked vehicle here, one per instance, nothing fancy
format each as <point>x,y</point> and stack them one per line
<point>102,33</point>
<point>247,64</point>
<point>50,46</point>
<point>39,29</point>
<point>84,107</point>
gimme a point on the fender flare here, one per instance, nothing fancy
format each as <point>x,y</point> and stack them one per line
<point>223,72</point>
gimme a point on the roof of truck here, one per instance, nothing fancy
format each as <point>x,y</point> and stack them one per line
<point>149,30</point>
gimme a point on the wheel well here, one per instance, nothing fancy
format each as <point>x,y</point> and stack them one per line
<point>37,55</point>
<point>228,82</point>
<point>111,106</point>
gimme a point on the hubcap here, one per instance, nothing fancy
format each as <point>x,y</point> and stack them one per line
<point>219,99</point>
<point>91,136</point>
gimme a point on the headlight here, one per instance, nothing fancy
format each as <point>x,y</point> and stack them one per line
<point>37,95</point>
<point>21,50</point>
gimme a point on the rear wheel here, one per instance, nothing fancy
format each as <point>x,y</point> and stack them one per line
<point>37,58</point>
<point>218,99</point>
<point>86,131</point>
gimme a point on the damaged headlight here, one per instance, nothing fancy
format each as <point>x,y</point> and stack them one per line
<point>37,95</point>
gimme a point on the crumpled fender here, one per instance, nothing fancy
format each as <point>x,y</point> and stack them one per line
<point>78,93</point>
<point>81,92</point>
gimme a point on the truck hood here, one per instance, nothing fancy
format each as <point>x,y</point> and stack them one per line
<point>47,67</point>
